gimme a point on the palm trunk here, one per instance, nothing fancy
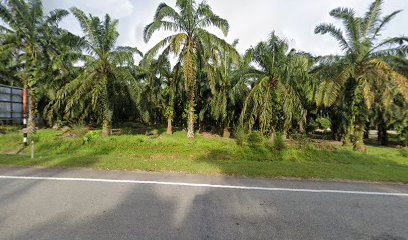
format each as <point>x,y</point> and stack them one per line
<point>190,77</point>
<point>367,131</point>
<point>359,119</point>
<point>335,130</point>
<point>301,127</point>
<point>31,125</point>
<point>226,133</point>
<point>346,138</point>
<point>107,113</point>
<point>170,124</point>
<point>106,127</point>
<point>358,140</point>
<point>190,120</point>
<point>382,133</point>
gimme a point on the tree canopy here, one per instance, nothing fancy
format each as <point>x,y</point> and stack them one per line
<point>195,80</point>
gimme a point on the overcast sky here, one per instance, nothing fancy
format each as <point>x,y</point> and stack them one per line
<point>250,20</point>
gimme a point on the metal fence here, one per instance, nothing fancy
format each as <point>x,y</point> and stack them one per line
<point>11,103</point>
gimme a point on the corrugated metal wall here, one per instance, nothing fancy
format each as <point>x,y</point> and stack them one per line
<point>11,103</point>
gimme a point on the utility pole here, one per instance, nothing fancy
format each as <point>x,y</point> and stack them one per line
<point>25,115</point>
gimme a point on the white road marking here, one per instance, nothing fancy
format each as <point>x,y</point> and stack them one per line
<point>399,194</point>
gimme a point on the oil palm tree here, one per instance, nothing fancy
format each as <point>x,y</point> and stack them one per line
<point>190,41</point>
<point>29,35</point>
<point>149,103</point>
<point>105,75</point>
<point>170,79</point>
<point>277,83</point>
<point>227,86</point>
<point>9,66</point>
<point>350,79</point>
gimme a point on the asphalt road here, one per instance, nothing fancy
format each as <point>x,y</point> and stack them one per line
<point>71,204</point>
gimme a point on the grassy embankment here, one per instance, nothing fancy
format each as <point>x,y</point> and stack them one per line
<point>204,155</point>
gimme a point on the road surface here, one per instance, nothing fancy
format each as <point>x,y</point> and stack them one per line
<point>37,203</point>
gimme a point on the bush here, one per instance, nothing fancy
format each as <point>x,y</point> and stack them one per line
<point>311,126</point>
<point>239,135</point>
<point>403,135</point>
<point>404,152</point>
<point>323,123</point>
<point>255,139</point>
<point>278,142</point>
<point>153,132</point>
<point>91,135</point>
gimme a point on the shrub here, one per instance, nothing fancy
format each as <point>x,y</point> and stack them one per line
<point>278,142</point>
<point>255,139</point>
<point>311,126</point>
<point>403,134</point>
<point>91,135</point>
<point>239,135</point>
<point>404,152</point>
<point>323,123</point>
<point>153,132</point>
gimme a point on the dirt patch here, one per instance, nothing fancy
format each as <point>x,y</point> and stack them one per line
<point>210,135</point>
<point>68,132</point>
<point>162,156</point>
<point>326,147</point>
<point>68,135</point>
<point>14,152</point>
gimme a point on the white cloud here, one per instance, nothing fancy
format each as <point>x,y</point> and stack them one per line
<point>115,8</point>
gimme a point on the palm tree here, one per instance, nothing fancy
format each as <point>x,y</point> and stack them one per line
<point>171,79</point>
<point>161,83</point>
<point>351,78</point>
<point>29,34</point>
<point>389,109</point>
<point>149,102</point>
<point>9,66</point>
<point>60,68</point>
<point>105,74</point>
<point>227,86</point>
<point>275,100</point>
<point>190,42</point>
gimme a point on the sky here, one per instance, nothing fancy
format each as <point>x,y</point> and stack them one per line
<point>250,21</point>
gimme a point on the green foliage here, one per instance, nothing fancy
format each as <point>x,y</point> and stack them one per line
<point>255,139</point>
<point>280,93</point>
<point>191,42</point>
<point>103,81</point>
<point>404,152</point>
<point>311,126</point>
<point>323,123</point>
<point>403,137</point>
<point>153,132</point>
<point>30,39</point>
<point>271,88</point>
<point>364,71</point>
<point>90,136</point>
<point>278,142</point>
<point>240,136</point>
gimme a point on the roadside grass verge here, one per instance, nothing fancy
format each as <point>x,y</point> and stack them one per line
<point>211,156</point>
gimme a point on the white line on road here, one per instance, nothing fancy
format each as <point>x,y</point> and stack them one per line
<point>206,185</point>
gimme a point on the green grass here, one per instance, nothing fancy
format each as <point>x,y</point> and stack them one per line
<point>205,156</point>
